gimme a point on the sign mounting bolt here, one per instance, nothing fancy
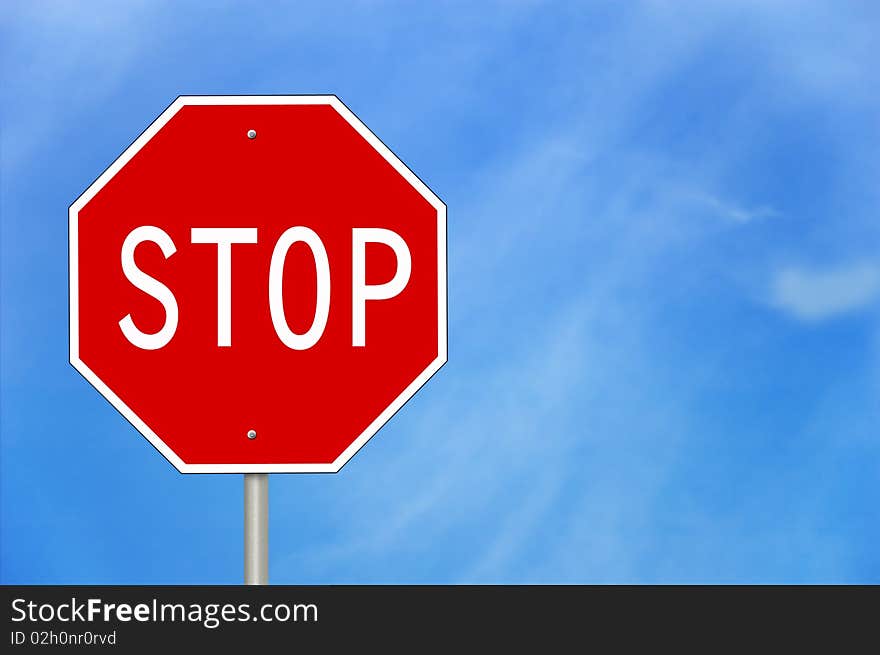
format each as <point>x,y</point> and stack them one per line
<point>252,134</point>
<point>252,434</point>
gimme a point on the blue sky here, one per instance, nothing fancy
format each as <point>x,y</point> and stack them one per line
<point>664,279</point>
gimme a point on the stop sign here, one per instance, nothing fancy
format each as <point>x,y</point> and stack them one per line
<point>257,284</point>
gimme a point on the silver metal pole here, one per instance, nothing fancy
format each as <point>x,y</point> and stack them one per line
<point>256,528</point>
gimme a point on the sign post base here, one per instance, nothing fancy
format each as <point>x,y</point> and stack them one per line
<point>256,528</point>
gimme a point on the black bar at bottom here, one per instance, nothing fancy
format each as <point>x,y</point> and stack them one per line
<point>419,617</point>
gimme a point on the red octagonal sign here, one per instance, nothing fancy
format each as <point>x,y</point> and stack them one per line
<point>257,284</point>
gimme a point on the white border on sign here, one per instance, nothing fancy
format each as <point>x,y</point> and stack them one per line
<point>389,156</point>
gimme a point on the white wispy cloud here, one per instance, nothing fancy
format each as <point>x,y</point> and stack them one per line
<point>733,212</point>
<point>814,295</point>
